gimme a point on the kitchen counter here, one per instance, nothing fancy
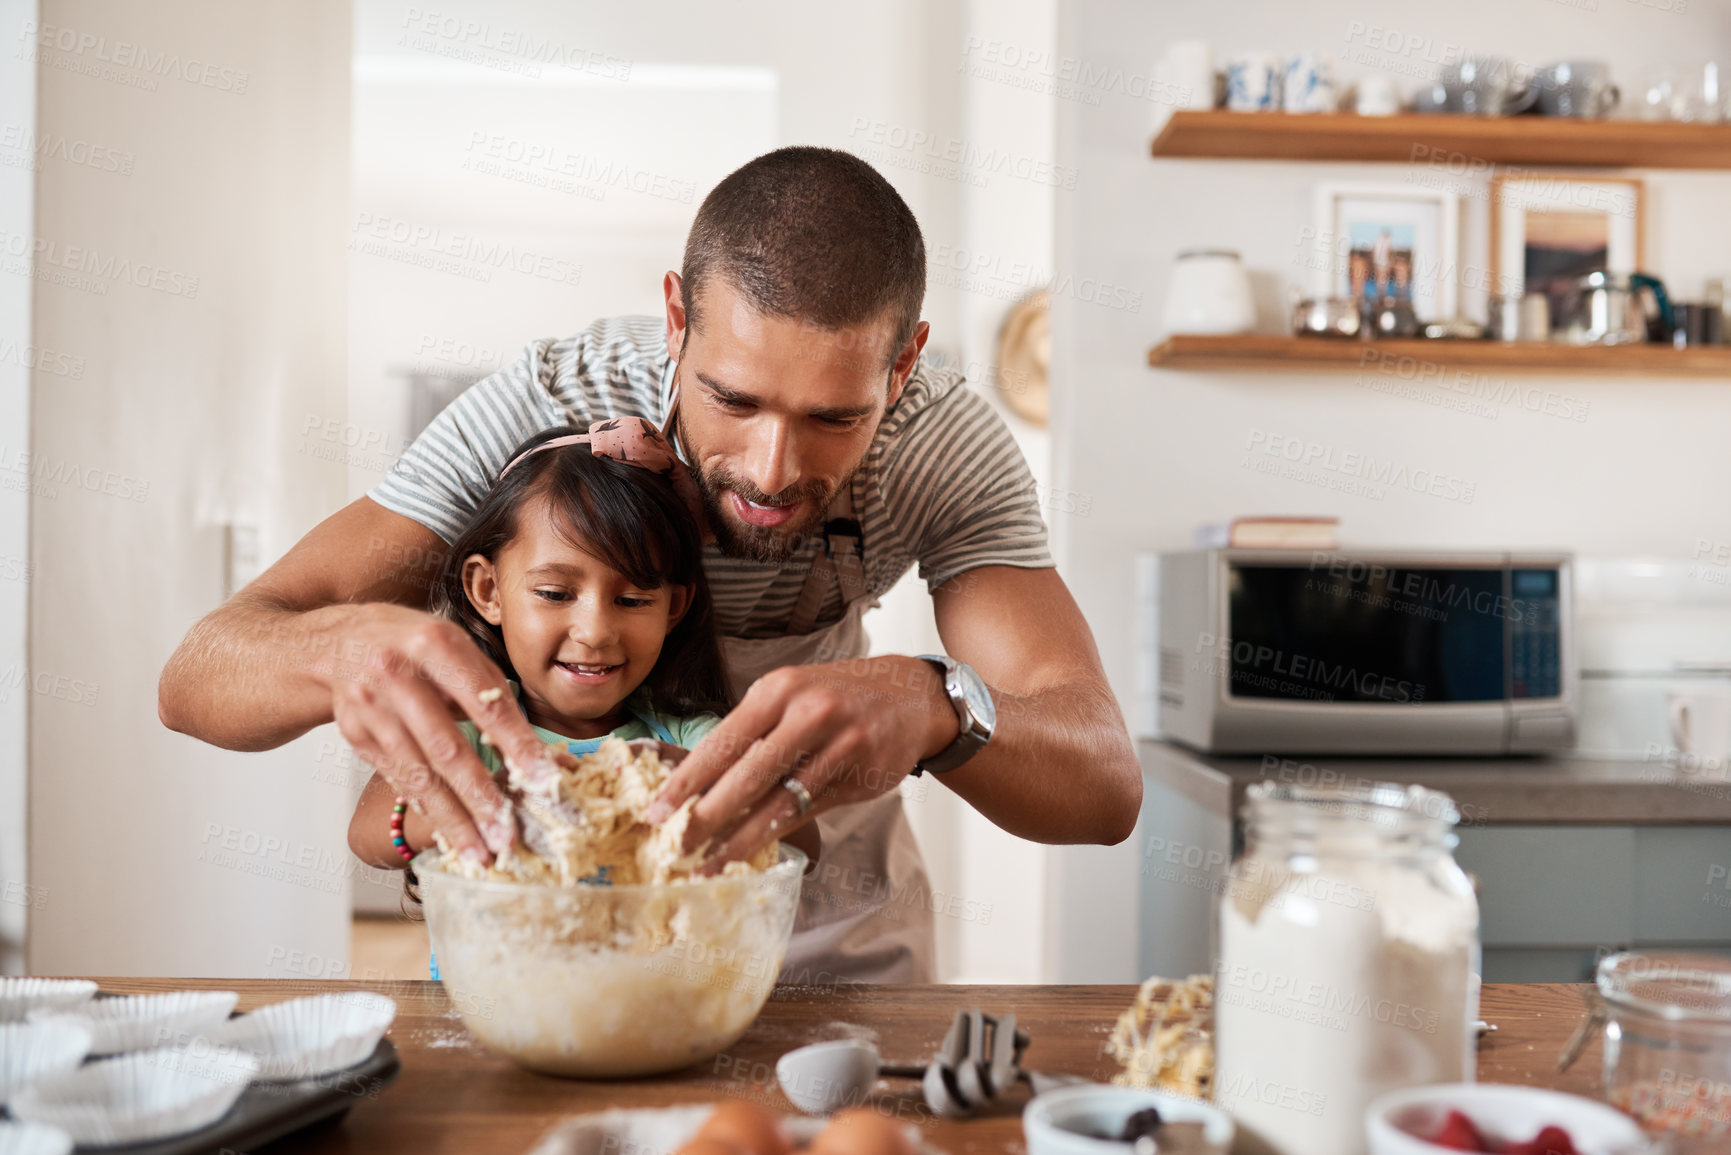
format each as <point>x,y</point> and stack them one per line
<point>454,1096</point>
<point>1573,858</point>
<point>1489,791</point>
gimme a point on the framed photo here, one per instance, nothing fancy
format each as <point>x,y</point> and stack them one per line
<point>1548,229</point>
<point>1391,241</point>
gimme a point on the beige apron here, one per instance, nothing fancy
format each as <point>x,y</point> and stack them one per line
<point>864,911</point>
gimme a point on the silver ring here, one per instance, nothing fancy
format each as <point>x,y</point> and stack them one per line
<point>801,795</point>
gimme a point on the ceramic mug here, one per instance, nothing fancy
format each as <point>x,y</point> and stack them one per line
<point>1535,318</point>
<point>1309,84</point>
<point>1376,96</point>
<point>1209,293</point>
<point>1701,727</point>
<point>1486,86</point>
<point>1253,82</point>
<point>1188,68</point>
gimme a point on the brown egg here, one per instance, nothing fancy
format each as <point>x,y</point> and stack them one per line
<point>858,1131</point>
<point>707,1145</point>
<point>747,1126</point>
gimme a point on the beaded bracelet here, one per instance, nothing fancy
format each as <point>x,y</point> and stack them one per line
<point>397,839</point>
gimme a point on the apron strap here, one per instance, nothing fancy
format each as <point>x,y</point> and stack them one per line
<point>841,561</point>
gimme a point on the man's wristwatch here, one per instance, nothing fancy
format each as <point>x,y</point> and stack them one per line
<point>974,709</point>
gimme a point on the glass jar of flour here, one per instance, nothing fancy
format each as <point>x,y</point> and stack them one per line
<point>1349,958</point>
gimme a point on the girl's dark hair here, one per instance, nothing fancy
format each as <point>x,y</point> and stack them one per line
<point>624,515</point>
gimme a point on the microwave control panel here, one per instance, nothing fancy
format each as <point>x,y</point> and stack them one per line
<point>1535,634</point>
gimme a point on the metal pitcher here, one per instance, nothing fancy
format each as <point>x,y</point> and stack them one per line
<point>1616,309</point>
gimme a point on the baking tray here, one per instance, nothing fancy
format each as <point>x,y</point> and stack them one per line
<point>269,1111</point>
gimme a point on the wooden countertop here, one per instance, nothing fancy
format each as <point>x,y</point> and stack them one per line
<point>454,1096</point>
<point>1490,791</point>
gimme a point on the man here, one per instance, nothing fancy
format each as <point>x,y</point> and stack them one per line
<point>830,459</point>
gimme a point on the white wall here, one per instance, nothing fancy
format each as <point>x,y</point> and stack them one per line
<point>162,855</point>
<point>17,222</point>
<point>1003,250</point>
<point>676,97</point>
<point>1160,452</point>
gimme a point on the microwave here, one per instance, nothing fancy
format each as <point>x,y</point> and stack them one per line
<point>1366,652</point>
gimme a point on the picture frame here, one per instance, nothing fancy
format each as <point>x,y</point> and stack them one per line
<point>1390,240</point>
<point>1590,222</point>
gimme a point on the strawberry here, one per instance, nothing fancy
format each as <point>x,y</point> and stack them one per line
<point>1459,1134</point>
<point>1550,1141</point>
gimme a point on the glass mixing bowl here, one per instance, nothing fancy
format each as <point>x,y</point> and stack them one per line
<point>602,981</point>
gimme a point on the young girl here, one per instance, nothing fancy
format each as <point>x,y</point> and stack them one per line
<point>581,577</point>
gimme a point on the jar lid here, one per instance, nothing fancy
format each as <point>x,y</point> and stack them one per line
<point>1668,985</point>
<point>1187,254</point>
<point>1361,799</point>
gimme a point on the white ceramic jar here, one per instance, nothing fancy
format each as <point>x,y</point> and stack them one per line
<point>1349,957</point>
<point>1209,294</point>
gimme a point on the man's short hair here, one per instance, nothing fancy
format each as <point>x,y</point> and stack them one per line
<point>814,234</point>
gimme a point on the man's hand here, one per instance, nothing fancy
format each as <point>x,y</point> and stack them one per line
<point>1059,768</point>
<point>805,836</point>
<point>846,731</point>
<point>399,678</point>
<point>337,630</point>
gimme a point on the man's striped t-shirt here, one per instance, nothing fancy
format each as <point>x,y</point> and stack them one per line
<point>943,484</point>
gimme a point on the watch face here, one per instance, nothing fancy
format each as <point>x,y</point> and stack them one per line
<point>979,698</point>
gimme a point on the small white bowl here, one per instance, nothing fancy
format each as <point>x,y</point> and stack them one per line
<point>301,1038</point>
<point>19,996</point>
<point>29,1051</point>
<point>135,1022</point>
<point>138,1097</point>
<point>33,1139</point>
<point>1064,1121</point>
<point>1500,1110</point>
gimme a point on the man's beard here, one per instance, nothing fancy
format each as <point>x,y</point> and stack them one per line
<point>754,542</point>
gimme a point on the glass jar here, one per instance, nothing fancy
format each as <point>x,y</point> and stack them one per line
<point>1349,960</point>
<point>1668,1043</point>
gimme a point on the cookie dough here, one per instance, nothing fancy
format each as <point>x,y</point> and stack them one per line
<point>586,825</point>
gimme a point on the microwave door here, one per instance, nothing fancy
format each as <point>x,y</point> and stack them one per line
<point>1365,657</point>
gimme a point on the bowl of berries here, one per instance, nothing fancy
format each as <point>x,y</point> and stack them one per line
<point>1493,1117</point>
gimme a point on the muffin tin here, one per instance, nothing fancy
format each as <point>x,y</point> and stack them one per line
<point>237,1083</point>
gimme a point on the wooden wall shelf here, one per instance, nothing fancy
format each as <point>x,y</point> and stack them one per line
<point>1299,354</point>
<point>1453,141</point>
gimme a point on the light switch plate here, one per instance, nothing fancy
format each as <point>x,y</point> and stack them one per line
<point>240,557</point>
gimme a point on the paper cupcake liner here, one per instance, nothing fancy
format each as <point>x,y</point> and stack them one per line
<point>29,1051</point>
<point>303,1038</point>
<point>138,1097</point>
<point>137,1022</point>
<point>33,1139</point>
<point>20,996</point>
